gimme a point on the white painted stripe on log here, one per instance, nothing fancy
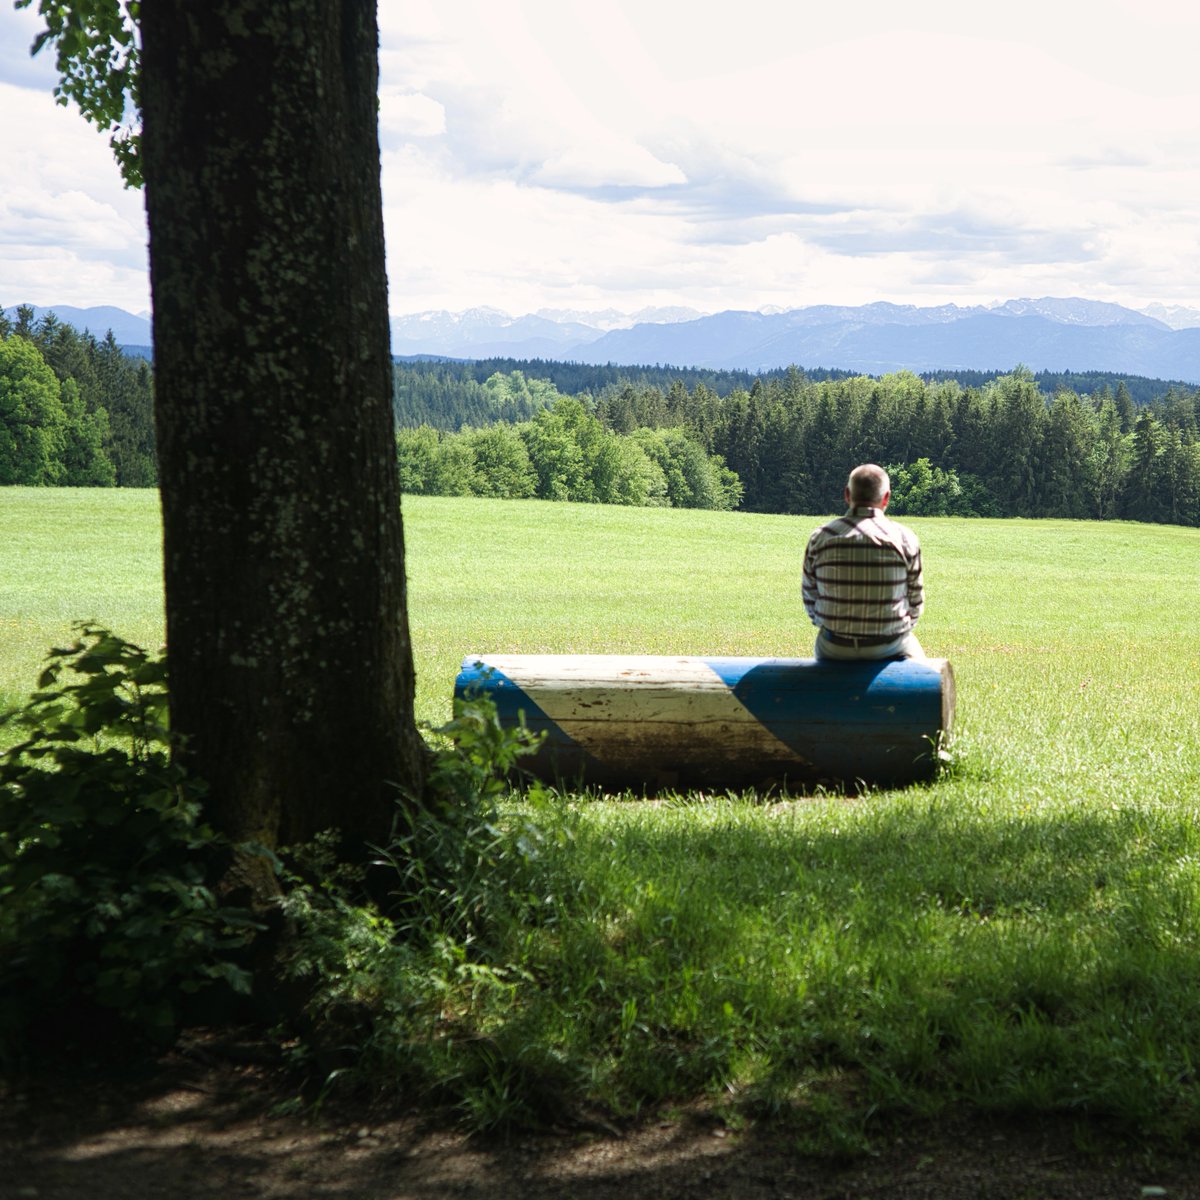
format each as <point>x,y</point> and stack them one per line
<point>641,703</point>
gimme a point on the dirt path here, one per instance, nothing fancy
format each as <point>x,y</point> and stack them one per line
<point>198,1127</point>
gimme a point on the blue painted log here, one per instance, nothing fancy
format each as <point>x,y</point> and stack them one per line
<point>653,722</point>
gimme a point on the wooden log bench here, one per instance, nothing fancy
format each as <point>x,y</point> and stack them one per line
<point>654,722</point>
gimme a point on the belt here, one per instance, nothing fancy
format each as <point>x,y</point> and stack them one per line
<point>841,639</point>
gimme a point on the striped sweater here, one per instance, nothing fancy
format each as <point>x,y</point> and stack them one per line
<point>862,576</point>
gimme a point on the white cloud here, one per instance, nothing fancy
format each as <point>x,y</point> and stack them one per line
<point>70,233</point>
<point>74,222</point>
<point>408,114</point>
<point>871,145</point>
<point>541,154</point>
<point>620,165</point>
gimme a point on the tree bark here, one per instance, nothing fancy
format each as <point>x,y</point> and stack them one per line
<point>288,647</point>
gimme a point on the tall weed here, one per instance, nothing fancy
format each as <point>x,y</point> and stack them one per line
<point>433,975</point>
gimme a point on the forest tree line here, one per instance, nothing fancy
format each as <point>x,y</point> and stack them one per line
<point>450,393</point>
<point>564,452</point>
<point>74,410</point>
<point>1001,447</point>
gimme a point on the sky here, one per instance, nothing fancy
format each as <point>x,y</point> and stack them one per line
<point>631,154</point>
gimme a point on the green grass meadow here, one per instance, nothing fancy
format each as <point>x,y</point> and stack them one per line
<point>74,554</point>
<point>1021,935</point>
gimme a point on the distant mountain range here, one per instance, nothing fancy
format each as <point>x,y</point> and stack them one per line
<point>1045,335</point>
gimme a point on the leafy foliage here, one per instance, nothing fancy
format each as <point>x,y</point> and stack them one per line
<point>565,453</point>
<point>923,490</point>
<point>97,56</point>
<point>73,409</point>
<point>32,417</point>
<point>107,921</point>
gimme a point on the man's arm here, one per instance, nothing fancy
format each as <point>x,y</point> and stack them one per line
<point>916,586</point>
<point>808,587</point>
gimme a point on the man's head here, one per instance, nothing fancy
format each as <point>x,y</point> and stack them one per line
<point>868,485</point>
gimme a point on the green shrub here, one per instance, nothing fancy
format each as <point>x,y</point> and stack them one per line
<point>107,921</point>
<point>405,991</point>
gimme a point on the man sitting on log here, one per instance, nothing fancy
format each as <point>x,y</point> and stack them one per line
<point>862,577</point>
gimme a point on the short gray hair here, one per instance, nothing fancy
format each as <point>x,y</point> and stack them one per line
<point>868,484</point>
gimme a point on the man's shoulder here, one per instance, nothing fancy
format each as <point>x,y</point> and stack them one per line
<point>896,524</point>
<point>831,528</point>
<point>901,531</point>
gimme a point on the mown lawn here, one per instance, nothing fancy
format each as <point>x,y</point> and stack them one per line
<point>1020,935</point>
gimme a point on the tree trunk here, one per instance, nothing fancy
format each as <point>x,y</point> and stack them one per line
<point>287,633</point>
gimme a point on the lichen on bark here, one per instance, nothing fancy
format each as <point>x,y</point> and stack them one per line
<point>292,677</point>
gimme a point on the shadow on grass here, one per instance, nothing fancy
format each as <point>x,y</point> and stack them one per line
<point>897,958</point>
